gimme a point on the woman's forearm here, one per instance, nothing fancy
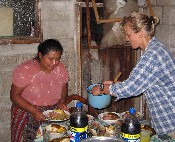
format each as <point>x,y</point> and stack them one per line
<point>17,99</point>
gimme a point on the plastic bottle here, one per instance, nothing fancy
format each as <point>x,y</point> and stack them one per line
<point>130,129</point>
<point>78,124</point>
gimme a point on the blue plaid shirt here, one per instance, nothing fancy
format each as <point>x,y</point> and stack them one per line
<point>154,75</point>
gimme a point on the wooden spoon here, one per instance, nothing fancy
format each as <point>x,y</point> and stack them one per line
<point>117,77</point>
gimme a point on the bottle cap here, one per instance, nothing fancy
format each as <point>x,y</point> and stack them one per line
<point>79,105</point>
<point>132,111</point>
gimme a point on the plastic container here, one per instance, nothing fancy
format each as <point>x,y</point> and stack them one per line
<point>130,129</point>
<point>101,101</point>
<point>145,136</point>
<point>78,124</point>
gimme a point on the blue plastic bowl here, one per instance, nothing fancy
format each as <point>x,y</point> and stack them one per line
<point>101,101</point>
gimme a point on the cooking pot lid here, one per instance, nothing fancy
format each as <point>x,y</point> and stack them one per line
<point>102,139</point>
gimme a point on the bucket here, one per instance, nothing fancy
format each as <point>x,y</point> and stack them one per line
<point>101,101</point>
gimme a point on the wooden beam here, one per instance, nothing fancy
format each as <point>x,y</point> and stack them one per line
<point>150,7</point>
<point>99,21</point>
<point>88,24</point>
<point>83,4</point>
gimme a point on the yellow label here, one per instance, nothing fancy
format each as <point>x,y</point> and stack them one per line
<point>79,129</point>
<point>129,136</point>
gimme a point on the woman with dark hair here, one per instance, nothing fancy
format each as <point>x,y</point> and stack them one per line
<point>154,74</point>
<point>38,84</point>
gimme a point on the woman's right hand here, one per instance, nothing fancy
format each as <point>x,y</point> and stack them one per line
<point>62,106</point>
<point>96,90</point>
<point>38,115</point>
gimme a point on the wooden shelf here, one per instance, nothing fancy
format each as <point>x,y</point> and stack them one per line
<point>20,40</point>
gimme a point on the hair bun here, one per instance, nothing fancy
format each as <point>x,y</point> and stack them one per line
<point>154,19</point>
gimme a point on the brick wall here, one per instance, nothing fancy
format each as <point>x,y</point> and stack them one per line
<point>165,10</point>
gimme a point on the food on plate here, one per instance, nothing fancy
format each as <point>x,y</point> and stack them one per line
<point>125,114</point>
<point>94,125</point>
<point>110,129</point>
<point>110,116</point>
<point>93,132</point>
<point>98,129</point>
<point>55,128</point>
<point>106,131</point>
<point>90,118</point>
<point>63,139</point>
<point>57,114</point>
<point>39,133</point>
<point>119,122</point>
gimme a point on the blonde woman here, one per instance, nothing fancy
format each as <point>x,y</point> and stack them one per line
<point>154,74</point>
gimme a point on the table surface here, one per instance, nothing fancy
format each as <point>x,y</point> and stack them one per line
<point>154,138</point>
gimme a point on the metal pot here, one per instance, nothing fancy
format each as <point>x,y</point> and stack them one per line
<point>102,139</point>
<point>100,101</point>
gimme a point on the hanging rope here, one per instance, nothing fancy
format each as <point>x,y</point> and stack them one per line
<point>150,7</point>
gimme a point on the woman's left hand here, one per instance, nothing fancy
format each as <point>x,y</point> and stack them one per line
<point>96,90</point>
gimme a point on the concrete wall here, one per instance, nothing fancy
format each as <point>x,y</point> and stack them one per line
<point>165,31</point>
<point>57,22</point>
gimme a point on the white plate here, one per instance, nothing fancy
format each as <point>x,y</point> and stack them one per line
<point>46,113</point>
<point>90,118</point>
<point>38,140</point>
<point>56,135</point>
<point>53,135</point>
<point>39,135</point>
<point>100,116</point>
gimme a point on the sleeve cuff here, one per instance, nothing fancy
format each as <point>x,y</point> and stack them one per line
<point>110,90</point>
<point>112,93</point>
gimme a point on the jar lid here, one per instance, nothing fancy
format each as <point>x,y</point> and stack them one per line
<point>79,105</point>
<point>132,111</point>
